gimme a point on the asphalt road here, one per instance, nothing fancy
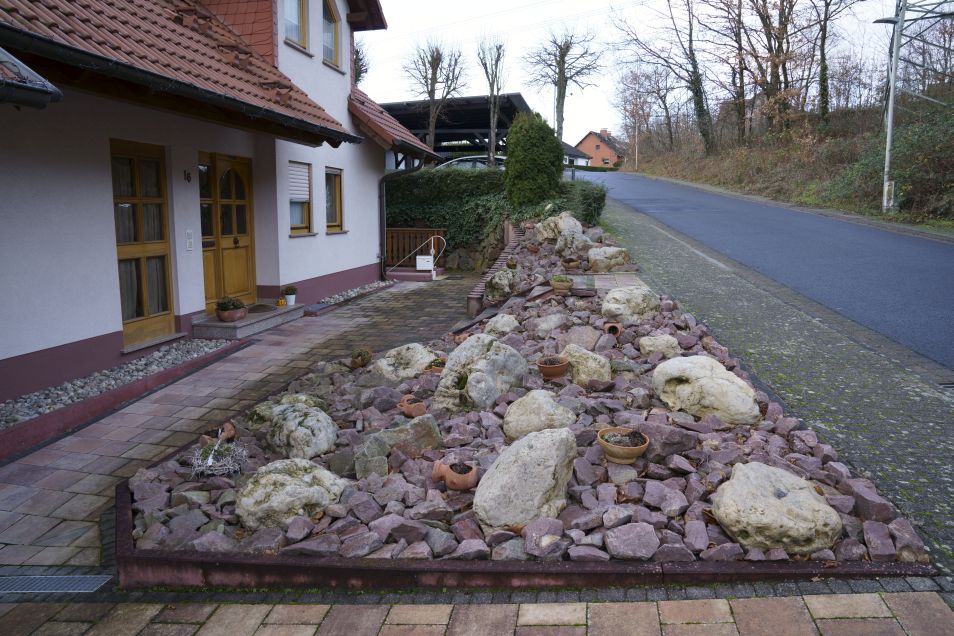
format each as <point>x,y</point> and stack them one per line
<point>898,285</point>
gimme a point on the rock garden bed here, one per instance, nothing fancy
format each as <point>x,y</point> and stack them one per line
<point>505,466</point>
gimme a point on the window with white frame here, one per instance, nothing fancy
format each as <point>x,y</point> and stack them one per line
<point>299,197</point>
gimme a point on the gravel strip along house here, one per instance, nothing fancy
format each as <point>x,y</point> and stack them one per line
<point>200,149</point>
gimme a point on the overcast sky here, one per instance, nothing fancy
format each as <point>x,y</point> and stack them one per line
<point>524,23</point>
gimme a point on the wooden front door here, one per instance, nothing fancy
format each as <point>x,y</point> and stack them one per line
<point>141,216</point>
<point>228,245</point>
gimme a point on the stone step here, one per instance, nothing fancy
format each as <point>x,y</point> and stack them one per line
<point>255,322</point>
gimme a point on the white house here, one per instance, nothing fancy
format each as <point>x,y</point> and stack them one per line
<point>201,149</point>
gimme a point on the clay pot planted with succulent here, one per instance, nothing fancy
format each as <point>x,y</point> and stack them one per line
<point>457,476</point>
<point>360,357</point>
<point>561,284</point>
<point>436,365</point>
<point>622,445</point>
<point>412,406</point>
<point>230,309</point>
<point>552,367</point>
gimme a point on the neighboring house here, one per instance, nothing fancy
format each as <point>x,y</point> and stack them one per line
<point>573,157</point>
<point>603,149</point>
<point>201,149</point>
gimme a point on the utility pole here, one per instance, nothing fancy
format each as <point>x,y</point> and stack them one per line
<point>888,205</point>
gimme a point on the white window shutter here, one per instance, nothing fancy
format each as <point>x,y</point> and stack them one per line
<point>299,181</point>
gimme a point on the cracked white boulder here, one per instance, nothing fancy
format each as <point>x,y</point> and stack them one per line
<point>501,325</point>
<point>500,286</point>
<point>551,228</point>
<point>664,344</point>
<point>282,490</point>
<point>604,259</point>
<point>586,365</point>
<point>295,426</point>
<point>536,411</point>
<point>700,386</point>
<point>477,372</point>
<point>629,305</point>
<point>404,362</point>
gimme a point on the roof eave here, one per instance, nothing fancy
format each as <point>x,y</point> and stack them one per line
<point>366,15</point>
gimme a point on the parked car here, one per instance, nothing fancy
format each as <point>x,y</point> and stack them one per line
<point>474,162</point>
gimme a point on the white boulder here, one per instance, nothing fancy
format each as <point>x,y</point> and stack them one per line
<point>551,228</point>
<point>664,344</point>
<point>628,305</point>
<point>586,365</point>
<point>299,431</point>
<point>500,286</point>
<point>501,325</point>
<point>700,386</point>
<point>404,362</point>
<point>604,259</point>
<point>573,244</point>
<point>536,411</point>
<point>765,507</point>
<point>477,372</point>
<point>282,490</point>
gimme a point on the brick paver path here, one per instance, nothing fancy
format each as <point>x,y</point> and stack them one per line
<point>911,614</point>
<point>51,499</point>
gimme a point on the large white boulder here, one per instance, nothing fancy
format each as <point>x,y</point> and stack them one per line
<point>528,480</point>
<point>573,244</point>
<point>551,228</point>
<point>501,325</point>
<point>544,325</point>
<point>404,362</point>
<point>500,286</point>
<point>700,386</point>
<point>604,259</point>
<point>282,490</point>
<point>765,507</point>
<point>536,411</point>
<point>300,431</point>
<point>629,305</point>
<point>477,372</point>
<point>586,365</point>
<point>664,344</point>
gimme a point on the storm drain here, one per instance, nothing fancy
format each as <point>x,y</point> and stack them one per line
<point>48,584</point>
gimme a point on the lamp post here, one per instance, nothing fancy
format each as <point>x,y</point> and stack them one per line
<point>888,205</point>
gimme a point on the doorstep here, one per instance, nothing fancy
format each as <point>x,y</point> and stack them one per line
<point>411,274</point>
<point>255,322</point>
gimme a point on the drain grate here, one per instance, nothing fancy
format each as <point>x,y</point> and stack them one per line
<point>66,584</point>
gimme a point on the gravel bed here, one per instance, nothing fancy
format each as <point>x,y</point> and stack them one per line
<point>357,291</point>
<point>31,405</point>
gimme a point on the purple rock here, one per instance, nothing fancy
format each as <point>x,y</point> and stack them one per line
<point>658,472</point>
<point>417,550</point>
<point>600,386</point>
<point>679,464</point>
<point>409,531</point>
<point>470,550</point>
<point>621,474</point>
<point>786,425</point>
<point>869,505</point>
<point>606,493</point>
<point>264,541</point>
<point>496,537</point>
<point>616,516</point>
<point>431,510</point>
<point>512,550</point>
<point>323,545</point>
<point>587,553</point>
<point>673,552</point>
<point>909,546</point>
<point>383,526</point>
<point>665,440</point>
<point>724,552</point>
<point>441,543</point>
<point>469,529</point>
<point>823,555</point>
<point>671,502</point>
<point>657,520</point>
<point>542,536</point>
<point>156,503</point>
<point>878,539</point>
<point>359,545</point>
<point>754,555</point>
<point>841,503</point>
<point>214,542</point>
<point>394,488</point>
<point>776,554</point>
<point>143,490</point>
<point>364,507</point>
<point>191,520</point>
<point>696,538</point>
<point>838,470</point>
<point>850,550</point>
<point>583,470</point>
<point>632,541</point>
<point>299,528</point>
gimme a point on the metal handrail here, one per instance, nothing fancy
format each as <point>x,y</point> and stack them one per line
<point>430,240</point>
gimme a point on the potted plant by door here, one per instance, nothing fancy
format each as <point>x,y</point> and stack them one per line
<point>289,293</point>
<point>360,357</point>
<point>230,309</point>
<point>561,284</point>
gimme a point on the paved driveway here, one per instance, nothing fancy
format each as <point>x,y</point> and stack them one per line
<point>900,286</point>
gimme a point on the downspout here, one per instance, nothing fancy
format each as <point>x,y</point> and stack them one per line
<point>383,209</point>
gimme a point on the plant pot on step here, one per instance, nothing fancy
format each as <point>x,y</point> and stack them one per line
<point>552,367</point>
<point>457,476</point>
<point>613,328</point>
<point>412,406</point>
<point>231,315</point>
<point>290,292</point>
<point>624,444</point>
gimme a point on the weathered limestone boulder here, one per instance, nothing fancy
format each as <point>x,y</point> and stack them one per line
<point>586,365</point>
<point>664,344</point>
<point>573,244</point>
<point>295,429</point>
<point>536,411</point>
<point>404,362</point>
<point>501,325</point>
<point>551,228</point>
<point>282,490</point>
<point>700,386</point>
<point>501,285</point>
<point>542,327</point>
<point>477,372</point>
<point>527,481</point>
<point>630,304</point>
<point>412,439</point>
<point>604,259</point>
<point>765,507</point>
<point>261,416</point>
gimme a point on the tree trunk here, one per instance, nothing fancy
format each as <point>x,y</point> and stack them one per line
<point>824,104</point>
<point>492,142</point>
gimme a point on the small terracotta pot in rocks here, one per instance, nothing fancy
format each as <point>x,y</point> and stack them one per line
<point>552,371</point>
<point>453,479</point>
<point>459,338</point>
<point>533,248</point>
<point>613,328</point>
<point>412,406</point>
<point>621,454</point>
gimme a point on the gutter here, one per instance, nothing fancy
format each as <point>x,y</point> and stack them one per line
<point>28,42</point>
<point>29,88</point>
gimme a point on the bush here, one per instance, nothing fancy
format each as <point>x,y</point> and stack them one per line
<point>585,199</point>
<point>534,161</point>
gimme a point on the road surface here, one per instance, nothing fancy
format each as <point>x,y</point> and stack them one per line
<point>898,285</point>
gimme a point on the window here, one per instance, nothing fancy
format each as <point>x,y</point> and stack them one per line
<point>597,146</point>
<point>299,197</point>
<point>605,162</point>
<point>329,21</point>
<point>296,22</point>
<point>333,214</point>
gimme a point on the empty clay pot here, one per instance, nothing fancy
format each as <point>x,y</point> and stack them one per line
<point>453,479</point>
<point>613,328</point>
<point>412,406</point>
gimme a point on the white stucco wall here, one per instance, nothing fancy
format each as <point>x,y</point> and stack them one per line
<point>58,265</point>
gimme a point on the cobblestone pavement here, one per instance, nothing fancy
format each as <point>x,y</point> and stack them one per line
<point>51,499</point>
<point>914,614</point>
<point>878,404</point>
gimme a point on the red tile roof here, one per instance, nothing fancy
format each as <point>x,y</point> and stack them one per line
<point>178,42</point>
<point>254,20</point>
<point>383,128</point>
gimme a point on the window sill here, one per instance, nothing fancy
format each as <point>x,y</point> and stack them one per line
<point>302,234</point>
<point>298,47</point>
<point>333,66</point>
<point>333,232</point>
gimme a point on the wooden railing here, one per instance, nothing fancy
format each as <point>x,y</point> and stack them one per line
<point>402,241</point>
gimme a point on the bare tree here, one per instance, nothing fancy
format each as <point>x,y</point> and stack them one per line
<point>826,11</point>
<point>359,64</point>
<point>490,55</point>
<point>564,59</point>
<point>437,74</point>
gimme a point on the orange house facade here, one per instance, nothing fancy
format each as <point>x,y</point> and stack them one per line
<point>604,149</point>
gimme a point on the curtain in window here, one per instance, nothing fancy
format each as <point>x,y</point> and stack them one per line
<point>129,292</point>
<point>156,284</point>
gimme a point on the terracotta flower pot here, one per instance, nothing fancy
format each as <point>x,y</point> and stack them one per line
<point>613,328</point>
<point>231,315</point>
<point>552,371</point>
<point>453,479</point>
<point>412,406</point>
<point>533,248</point>
<point>621,454</point>
<point>459,338</point>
